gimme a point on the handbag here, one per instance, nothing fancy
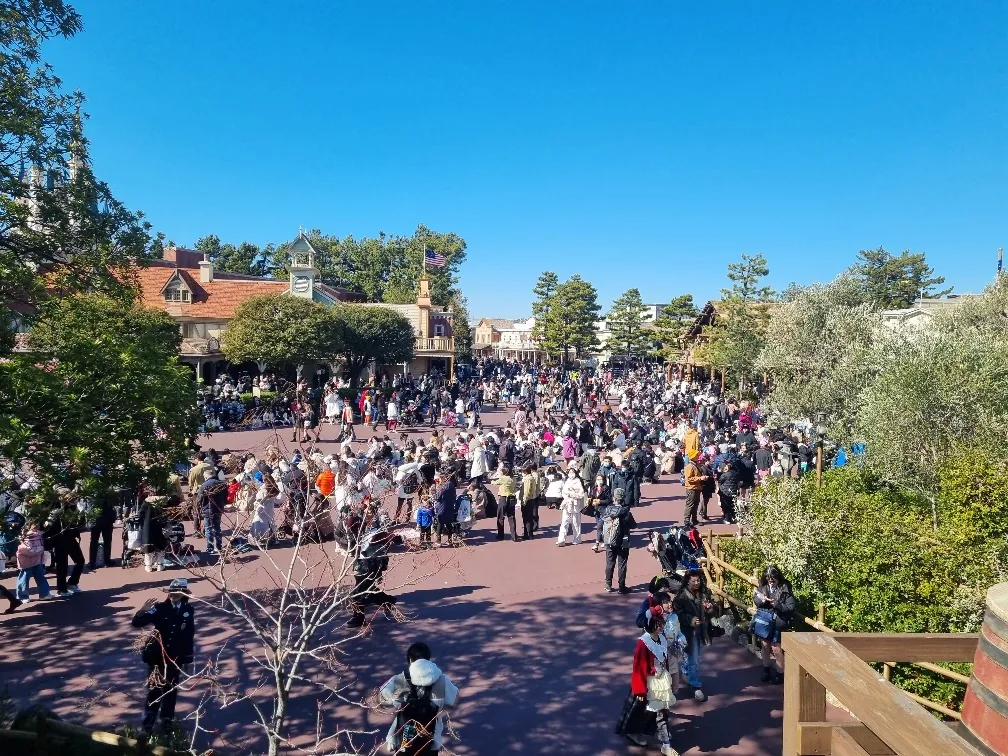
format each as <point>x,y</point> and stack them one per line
<point>763,624</point>
<point>659,691</point>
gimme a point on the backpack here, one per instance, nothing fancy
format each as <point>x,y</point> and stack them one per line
<point>410,484</point>
<point>611,532</point>
<point>416,720</point>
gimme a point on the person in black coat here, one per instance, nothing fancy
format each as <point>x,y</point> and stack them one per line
<point>617,544</point>
<point>102,528</point>
<point>445,506</point>
<point>166,652</point>
<point>64,541</point>
<point>623,479</point>
<point>774,593</point>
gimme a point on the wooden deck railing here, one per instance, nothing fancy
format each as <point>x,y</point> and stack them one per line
<point>715,569</point>
<point>51,736</point>
<point>887,722</point>
<point>434,344</point>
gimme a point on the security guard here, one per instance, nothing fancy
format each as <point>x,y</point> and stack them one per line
<point>167,651</point>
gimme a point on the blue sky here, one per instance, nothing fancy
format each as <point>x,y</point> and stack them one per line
<point>639,144</point>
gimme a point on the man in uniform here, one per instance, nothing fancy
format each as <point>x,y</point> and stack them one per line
<point>167,651</point>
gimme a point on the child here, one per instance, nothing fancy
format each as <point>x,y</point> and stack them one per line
<point>424,520</point>
<point>29,562</point>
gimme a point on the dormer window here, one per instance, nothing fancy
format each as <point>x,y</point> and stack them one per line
<point>177,293</point>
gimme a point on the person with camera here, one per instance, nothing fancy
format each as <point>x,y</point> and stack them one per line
<point>695,608</point>
<point>167,651</point>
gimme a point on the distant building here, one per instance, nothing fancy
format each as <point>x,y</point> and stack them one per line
<point>920,313</point>
<point>502,338</point>
<point>184,284</point>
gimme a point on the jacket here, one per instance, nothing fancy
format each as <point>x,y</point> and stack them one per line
<point>445,501</point>
<point>687,607</point>
<point>693,473</point>
<point>30,551</point>
<point>620,513</point>
<point>480,464</point>
<point>443,694</point>
<point>783,604</point>
<point>623,480</point>
<point>589,467</point>
<point>692,443</point>
<point>530,487</point>
<point>175,628</point>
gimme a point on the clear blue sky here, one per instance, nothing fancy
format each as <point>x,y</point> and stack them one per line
<point>639,144</point>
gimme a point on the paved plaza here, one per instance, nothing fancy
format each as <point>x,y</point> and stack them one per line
<point>541,655</point>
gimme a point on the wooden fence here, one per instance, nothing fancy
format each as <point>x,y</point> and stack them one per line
<point>52,737</point>
<point>715,569</point>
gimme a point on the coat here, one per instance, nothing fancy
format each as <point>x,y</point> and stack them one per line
<point>175,626</point>
<point>480,465</point>
<point>573,494</point>
<point>445,502</point>
<point>443,694</point>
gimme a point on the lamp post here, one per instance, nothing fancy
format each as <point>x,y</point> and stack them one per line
<point>820,430</point>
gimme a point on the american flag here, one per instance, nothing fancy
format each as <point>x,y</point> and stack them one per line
<point>434,259</point>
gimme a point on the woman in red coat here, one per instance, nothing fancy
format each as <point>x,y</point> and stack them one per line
<point>646,711</point>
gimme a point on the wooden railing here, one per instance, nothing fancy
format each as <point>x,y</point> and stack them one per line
<point>887,723</point>
<point>715,569</point>
<point>52,736</point>
<point>434,344</point>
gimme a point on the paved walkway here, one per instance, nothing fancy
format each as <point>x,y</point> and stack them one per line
<point>541,655</point>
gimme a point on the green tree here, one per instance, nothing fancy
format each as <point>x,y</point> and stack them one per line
<point>276,328</point>
<point>358,334</point>
<point>61,230</point>
<point>543,292</point>
<point>673,321</point>
<point>570,320</point>
<point>246,258</point>
<point>817,352</point>
<point>735,338</point>
<point>893,283</point>
<point>461,330</point>
<point>383,268</point>
<point>629,336</point>
<point>101,392</point>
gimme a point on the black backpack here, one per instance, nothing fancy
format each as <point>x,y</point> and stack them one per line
<point>416,720</point>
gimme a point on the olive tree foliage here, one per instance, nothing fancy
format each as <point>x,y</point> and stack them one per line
<point>937,392</point>
<point>817,351</point>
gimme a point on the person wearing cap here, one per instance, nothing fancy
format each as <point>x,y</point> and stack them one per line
<point>167,651</point>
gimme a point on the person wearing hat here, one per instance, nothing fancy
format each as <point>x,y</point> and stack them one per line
<point>166,651</point>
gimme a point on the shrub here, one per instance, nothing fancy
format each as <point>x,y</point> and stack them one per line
<point>868,551</point>
<point>264,396</point>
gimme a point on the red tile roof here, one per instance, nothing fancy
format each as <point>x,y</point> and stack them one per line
<point>216,300</point>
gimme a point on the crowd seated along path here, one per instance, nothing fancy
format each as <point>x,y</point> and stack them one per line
<point>540,653</point>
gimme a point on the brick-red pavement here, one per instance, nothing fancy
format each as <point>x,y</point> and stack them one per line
<point>541,655</point>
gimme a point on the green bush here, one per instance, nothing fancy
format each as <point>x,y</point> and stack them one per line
<point>869,552</point>
<point>264,396</point>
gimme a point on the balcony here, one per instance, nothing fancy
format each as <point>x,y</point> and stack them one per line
<point>199,347</point>
<point>438,345</point>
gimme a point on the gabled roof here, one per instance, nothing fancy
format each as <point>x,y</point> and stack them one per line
<point>179,278</point>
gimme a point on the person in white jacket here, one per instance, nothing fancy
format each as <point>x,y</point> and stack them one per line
<point>478,457</point>
<point>425,683</point>
<point>570,508</point>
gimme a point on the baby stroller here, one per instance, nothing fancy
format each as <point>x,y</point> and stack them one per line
<point>688,547</point>
<point>131,532</point>
<point>178,553</point>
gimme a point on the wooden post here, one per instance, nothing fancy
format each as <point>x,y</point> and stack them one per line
<point>887,671</point>
<point>818,464</point>
<point>804,701</point>
<point>821,613</point>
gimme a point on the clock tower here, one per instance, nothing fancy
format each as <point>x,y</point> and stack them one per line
<point>302,268</point>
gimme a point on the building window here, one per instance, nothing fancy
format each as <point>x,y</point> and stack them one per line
<point>439,330</point>
<point>176,294</point>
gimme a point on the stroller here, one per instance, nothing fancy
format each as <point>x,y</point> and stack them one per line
<point>132,527</point>
<point>178,553</point>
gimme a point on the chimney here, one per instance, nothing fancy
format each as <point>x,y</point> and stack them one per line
<point>206,269</point>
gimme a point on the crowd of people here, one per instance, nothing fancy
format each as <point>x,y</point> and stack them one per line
<point>585,443</point>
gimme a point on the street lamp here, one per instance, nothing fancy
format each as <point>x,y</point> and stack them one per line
<point>820,430</point>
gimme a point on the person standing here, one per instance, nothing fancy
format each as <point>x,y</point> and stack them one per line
<point>507,493</point>
<point>570,508</point>
<point>616,534</point>
<point>212,498</point>
<point>167,651</point>
<point>529,496</point>
<point>694,608</point>
<point>599,498</point>
<point>30,553</point>
<point>694,486</point>
<point>420,694</point>
<point>102,529</point>
<point>646,710</point>
<point>775,606</point>
<point>64,541</point>
<point>445,504</point>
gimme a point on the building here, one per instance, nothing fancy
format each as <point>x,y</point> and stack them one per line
<point>603,333</point>
<point>202,300</point>
<point>433,344</point>
<point>920,313</point>
<point>503,339</point>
